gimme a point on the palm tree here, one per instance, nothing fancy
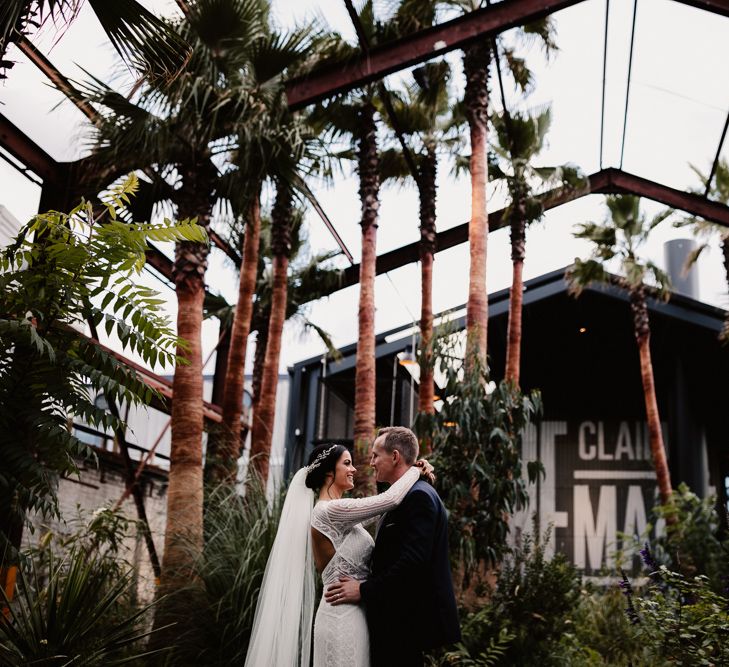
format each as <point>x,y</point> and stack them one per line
<point>145,42</point>
<point>709,231</point>
<point>519,139</point>
<point>357,117</point>
<point>225,457</point>
<point>285,296</point>
<point>262,428</point>
<point>618,240</point>
<point>308,278</point>
<point>354,118</point>
<point>477,60</point>
<point>173,131</point>
<point>423,112</point>
<point>270,139</point>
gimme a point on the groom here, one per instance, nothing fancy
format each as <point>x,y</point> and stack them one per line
<point>409,595</point>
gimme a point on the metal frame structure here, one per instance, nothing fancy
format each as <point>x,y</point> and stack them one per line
<point>433,42</point>
<point>59,181</point>
<point>606,181</point>
<point>374,64</point>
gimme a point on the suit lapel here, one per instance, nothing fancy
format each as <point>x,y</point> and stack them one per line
<point>380,523</point>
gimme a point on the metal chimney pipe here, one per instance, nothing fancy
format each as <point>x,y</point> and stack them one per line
<point>676,254</point>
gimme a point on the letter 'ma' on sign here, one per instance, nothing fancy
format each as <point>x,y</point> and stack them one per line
<point>594,533</point>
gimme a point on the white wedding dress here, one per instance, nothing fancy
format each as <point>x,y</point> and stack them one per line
<point>340,632</point>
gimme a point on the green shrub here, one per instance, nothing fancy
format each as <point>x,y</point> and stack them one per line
<point>489,653</point>
<point>476,440</point>
<point>680,619</point>
<point>74,602</point>
<point>698,542</point>
<point>601,633</point>
<point>680,615</point>
<point>528,614</point>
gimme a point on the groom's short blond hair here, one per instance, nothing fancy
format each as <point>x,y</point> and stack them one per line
<point>401,439</point>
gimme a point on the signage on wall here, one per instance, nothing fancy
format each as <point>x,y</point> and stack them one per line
<point>599,484</point>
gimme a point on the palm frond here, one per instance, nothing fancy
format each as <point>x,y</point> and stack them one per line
<point>659,218</point>
<point>394,169</point>
<point>145,42</point>
<point>660,280</point>
<point>693,257</point>
<point>600,235</point>
<point>517,67</point>
<point>545,31</point>
<point>332,351</point>
<point>585,272</point>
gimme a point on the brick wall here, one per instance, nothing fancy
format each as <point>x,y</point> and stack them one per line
<point>102,486</point>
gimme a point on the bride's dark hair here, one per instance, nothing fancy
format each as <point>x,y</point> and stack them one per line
<point>323,459</point>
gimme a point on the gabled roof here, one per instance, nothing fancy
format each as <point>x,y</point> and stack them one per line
<point>679,307</point>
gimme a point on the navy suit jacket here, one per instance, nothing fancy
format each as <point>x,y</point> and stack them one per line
<point>409,595</point>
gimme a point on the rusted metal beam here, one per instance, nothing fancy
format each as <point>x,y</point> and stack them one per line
<point>23,149</point>
<point>159,262</point>
<point>55,76</point>
<point>67,88</point>
<point>426,44</point>
<point>219,242</point>
<point>417,48</point>
<point>454,236</point>
<point>607,181</point>
<point>720,7</point>
<point>623,182</point>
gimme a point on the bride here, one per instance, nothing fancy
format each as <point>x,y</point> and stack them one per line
<point>330,536</point>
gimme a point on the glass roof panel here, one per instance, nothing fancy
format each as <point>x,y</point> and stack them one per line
<point>678,104</point>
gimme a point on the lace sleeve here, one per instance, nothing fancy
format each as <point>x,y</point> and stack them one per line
<point>348,511</point>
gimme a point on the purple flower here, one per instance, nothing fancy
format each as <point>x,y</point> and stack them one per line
<point>627,589</point>
<point>647,556</point>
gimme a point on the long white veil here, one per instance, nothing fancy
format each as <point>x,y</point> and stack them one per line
<point>281,634</point>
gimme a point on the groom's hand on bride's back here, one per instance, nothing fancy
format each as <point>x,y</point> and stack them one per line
<point>345,591</point>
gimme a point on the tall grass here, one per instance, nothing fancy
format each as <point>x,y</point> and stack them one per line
<point>239,534</point>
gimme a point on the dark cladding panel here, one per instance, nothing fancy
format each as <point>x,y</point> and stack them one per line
<point>340,419</point>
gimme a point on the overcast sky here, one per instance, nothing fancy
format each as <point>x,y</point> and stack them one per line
<point>678,103</point>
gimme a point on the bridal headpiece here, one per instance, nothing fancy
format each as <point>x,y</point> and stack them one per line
<point>320,457</point>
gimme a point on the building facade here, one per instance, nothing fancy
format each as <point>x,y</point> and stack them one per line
<point>592,437</point>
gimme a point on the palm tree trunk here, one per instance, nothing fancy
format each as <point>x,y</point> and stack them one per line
<point>261,323</point>
<point>265,408</point>
<point>265,412</point>
<point>514,330</point>
<point>365,371</point>
<point>215,433</point>
<point>642,336</point>
<point>184,531</point>
<point>475,64</point>
<point>235,374</point>
<point>428,175</point>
